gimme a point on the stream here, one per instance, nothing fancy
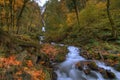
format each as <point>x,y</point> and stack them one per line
<point>68,71</point>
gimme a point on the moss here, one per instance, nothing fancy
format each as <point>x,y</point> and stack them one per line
<point>93,66</point>
<point>47,73</point>
<point>118,67</point>
<point>60,57</point>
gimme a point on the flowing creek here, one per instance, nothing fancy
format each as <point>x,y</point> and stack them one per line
<point>68,71</point>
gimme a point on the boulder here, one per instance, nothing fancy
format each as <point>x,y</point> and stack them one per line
<point>110,74</point>
<point>103,72</point>
<point>79,66</point>
<point>92,65</point>
<point>107,73</point>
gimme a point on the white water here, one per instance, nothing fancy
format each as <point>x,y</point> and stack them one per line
<point>68,71</point>
<point>102,65</point>
<point>43,29</point>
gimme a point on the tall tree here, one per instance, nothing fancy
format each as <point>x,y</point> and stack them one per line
<point>114,29</point>
<point>20,15</point>
<point>76,10</point>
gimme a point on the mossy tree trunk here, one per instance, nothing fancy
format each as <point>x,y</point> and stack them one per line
<point>114,29</point>
<point>76,10</point>
<point>20,15</point>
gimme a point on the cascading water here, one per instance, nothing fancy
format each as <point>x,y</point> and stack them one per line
<point>67,70</point>
<point>43,22</point>
<point>102,65</point>
<point>42,37</point>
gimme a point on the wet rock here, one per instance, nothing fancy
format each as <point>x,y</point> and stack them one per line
<point>93,74</point>
<point>103,72</point>
<point>107,73</point>
<point>79,66</point>
<point>110,74</point>
<point>54,76</point>
<point>86,70</point>
<point>93,66</point>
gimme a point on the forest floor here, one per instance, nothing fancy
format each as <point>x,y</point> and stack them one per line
<point>24,58</point>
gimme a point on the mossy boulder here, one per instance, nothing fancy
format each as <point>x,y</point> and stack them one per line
<point>92,65</point>
<point>103,72</point>
<point>60,57</point>
<point>107,74</point>
<point>110,74</point>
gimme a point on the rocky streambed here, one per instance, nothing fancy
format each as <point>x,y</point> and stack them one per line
<point>76,67</point>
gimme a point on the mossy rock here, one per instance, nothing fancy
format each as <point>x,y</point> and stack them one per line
<point>60,57</point>
<point>110,74</point>
<point>93,66</point>
<point>118,67</point>
<point>79,66</point>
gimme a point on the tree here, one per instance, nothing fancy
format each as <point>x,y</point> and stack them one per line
<point>20,15</point>
<point>114,29</point>
<point>76,10</point>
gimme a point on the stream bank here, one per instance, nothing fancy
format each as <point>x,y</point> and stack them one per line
<point>76,67</point>
<point>24,58</point>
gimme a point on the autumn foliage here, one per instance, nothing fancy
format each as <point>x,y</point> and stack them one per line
<point>9,62</point>
<point>49,50</point>
<point>5,62</point>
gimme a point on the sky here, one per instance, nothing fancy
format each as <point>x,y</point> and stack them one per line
<point>41,2</point>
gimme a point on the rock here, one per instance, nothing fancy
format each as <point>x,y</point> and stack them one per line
<point>93,74</point>
<point>110,74</point>
<point>79,66</point>
<point>103,72</point>
<point>92,65</point>
<point>54,76</point>
<point>107,73</point>
<point>86,70</point>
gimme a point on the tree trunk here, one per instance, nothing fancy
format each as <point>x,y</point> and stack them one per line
<point>20,15</point>
<point>76,10</point>
<point>11,13</point>
<point>114,30</point>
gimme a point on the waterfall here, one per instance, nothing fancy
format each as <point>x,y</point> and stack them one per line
<point>68,71</point>
<point>43,22</point>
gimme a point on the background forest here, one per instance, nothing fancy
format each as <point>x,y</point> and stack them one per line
<point>82,20</point>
